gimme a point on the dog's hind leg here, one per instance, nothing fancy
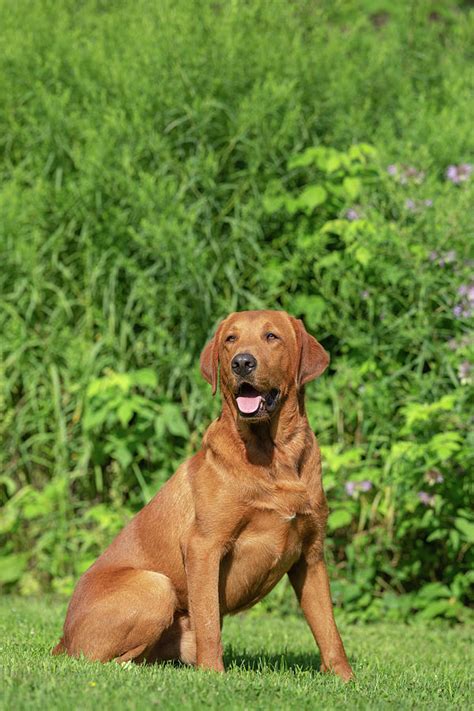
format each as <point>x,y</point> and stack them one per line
<point>118,614</point>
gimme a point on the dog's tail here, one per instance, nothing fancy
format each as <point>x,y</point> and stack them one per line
<point>59,648</point>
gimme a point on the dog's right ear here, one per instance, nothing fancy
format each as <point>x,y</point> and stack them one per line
<point>210,361</point>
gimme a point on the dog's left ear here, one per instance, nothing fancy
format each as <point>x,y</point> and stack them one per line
<point>313,359</point>
<point>209,361</point>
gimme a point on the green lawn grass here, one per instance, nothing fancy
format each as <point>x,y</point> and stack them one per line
<point>272,663</point>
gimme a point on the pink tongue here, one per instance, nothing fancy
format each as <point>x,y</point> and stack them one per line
<point>249,404</point>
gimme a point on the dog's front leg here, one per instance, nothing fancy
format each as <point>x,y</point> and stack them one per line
<point>311,584</point>
<point>202,571</point>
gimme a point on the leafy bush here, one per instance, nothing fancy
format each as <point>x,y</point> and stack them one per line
<point>164,164</point>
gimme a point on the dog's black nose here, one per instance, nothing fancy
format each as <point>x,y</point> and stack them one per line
<point>243,363</point>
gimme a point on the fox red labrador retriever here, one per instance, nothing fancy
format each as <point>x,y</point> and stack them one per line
<point>246,509</point>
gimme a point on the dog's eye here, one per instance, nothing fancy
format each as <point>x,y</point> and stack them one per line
<point>271,336</point>
<point>231,339</point>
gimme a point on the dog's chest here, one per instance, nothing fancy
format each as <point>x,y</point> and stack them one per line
<point>269,543</point>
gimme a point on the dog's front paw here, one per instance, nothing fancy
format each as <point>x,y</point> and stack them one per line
<point>211,664</point>
<point>341,668</point>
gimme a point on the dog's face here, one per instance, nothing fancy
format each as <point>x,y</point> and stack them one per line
<point>261,354</point>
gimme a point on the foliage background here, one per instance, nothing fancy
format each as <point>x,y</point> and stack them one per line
<point>165,163</point>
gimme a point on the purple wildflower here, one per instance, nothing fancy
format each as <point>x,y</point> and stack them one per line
<point>466,306</point>
<point>453,344</point>
<point>406,174</point>
<point>452,174</point>
<point>428,203</point>
<point>434,476</point>
<point>365,294</point>
<point>433,256</point>
<point>458,173</point>
<point>350,487</point>
<point>425,498</point>
<point>352,214</point>
<point>410,204</point>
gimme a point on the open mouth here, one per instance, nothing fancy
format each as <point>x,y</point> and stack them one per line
<point>253,403</point>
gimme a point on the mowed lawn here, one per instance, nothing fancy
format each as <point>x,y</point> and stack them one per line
<point>271,662</point>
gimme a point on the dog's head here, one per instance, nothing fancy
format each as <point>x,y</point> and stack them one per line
<point>262,355</point>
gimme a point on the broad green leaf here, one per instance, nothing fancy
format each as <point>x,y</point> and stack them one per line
<point>8,518</point>
<point>120,453</point>
<point>422,412</point>
<point>310,307</point>
<point>306,158</point>
<point>273,203</point>
<point>435,609</point>
<point>125,412</point>
<point>363,255</point>
<point>311,197</point>
<point>335,227</point>
<point>433,591</point>
<point>445,444</point>
<point>333,162</point>
<point>352,187</point>
<point>338,519</point>
<point>466,527</point>
<point>174,420</point>
<point>146,377</point>
<point>12,566</point>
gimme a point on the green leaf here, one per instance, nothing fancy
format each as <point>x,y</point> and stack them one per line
<point>338,519</point>
<point>12,567</point>
<point>306,158</point>
<point>352,187</point>
<point>445,444</point>
<point>174,420</point>
<point>335,227</point>
<point>311,308</point>
<point>466,527</point>
<point>311,197</point>
<point>273,203</point>
<point>120,452</point>
<point>8,517</point>
<point>95,418</point>
<point>434,609</point>
<point>125,412</point>
<point>422,412</point>
<point>433,591</point>
<point>146,377</point>
<point>363,255</point>
<point>333,162</point>
<point>362,151</point>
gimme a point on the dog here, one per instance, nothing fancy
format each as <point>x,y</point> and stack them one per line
<point>245,510</point>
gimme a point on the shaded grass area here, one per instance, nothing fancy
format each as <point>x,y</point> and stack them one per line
<point>271,661</point>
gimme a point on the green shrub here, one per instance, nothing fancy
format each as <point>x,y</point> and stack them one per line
<point>164,164</point>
